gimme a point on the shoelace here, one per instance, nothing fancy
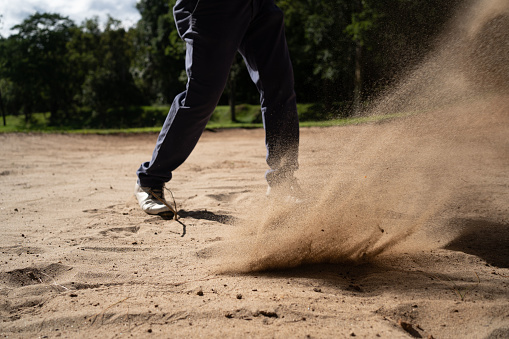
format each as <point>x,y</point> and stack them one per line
<point>158,194</point>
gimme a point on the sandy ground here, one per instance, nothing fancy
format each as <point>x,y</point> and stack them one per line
<point>79,259</point>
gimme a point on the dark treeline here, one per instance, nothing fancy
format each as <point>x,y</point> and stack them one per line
<point>343,51</point>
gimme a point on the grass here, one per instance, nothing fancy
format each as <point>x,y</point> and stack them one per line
<point>18,124</point>
<point>248,116</point>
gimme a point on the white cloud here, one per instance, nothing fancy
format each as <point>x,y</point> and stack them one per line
<point>13,12</point>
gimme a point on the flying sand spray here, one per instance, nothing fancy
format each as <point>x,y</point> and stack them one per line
<point>404,174</point>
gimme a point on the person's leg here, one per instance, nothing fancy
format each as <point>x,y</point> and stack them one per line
<point>265,51</point>
<point>212,30</point>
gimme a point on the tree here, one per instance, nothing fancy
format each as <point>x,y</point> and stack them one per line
<point>107,81</point>
<point>2,108</point>
<point>345,51</point>
<point>2,60</point>
<point>363,19</point>
<point>400,35</point>
<point>231,84</point>
<point>84,54</point>
<point>342,51</point>
<point>158,62</point>
<point>321,53</point>
<point>8,101</point>
<point>37,64</point>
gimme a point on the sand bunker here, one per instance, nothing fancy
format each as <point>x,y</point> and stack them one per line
<point>422,198</point>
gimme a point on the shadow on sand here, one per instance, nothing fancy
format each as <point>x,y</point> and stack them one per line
<point>207,215</point>
<point>485,239</point>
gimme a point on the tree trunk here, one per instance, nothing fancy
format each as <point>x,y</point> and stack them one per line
<point>3,109</point>
<point>358,76</point>
<point>231,97</point>
<point>28,116</point>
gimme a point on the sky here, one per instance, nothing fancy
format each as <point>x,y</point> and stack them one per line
<point>13,12</point>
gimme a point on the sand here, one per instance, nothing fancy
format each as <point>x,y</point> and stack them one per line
<point>404,231</point>
<point>79,258</point>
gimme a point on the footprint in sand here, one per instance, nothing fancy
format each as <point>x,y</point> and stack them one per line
<point>33,275</point>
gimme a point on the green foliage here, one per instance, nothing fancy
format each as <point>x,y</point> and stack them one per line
<point>159,52</point>
<point>363,20</point>
<point>321,53</point>
<point>39,123</point>
<point>245,114</point>
<point>119,117</point>
<point>87,76</point>
<point>36,65</point>
<point>108,84</point>
<point>400,35</point>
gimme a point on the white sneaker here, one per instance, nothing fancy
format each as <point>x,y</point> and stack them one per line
<point>151,199</point>
<point>288,192</point>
